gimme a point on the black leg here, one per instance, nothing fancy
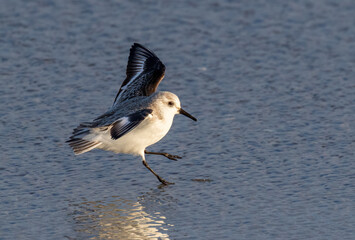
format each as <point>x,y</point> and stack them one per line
<point>159,178</point>
<point>167,155</point>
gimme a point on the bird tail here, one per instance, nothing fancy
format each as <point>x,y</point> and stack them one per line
<point>79,140</point>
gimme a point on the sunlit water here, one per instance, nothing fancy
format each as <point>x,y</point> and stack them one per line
<point>272,84</point>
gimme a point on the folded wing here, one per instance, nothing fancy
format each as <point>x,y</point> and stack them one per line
<point>126,124</point>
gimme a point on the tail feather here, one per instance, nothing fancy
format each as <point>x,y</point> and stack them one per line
<point>78,141</point>
<point>80,146</point>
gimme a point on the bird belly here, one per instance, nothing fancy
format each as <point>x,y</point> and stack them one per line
<point>135,142</point>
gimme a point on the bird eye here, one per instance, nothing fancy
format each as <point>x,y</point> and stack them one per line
<point>171,103</point>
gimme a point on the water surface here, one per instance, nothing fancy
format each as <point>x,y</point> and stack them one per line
<point>271,83</point>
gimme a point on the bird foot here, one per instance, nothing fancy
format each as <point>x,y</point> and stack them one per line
<point>164,182</point>
<point>172,157</point>
<point>167,155</point>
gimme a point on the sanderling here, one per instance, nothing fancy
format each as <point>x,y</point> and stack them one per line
<point>139,116</point>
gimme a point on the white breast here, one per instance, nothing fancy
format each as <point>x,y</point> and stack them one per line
<point>148,132</point>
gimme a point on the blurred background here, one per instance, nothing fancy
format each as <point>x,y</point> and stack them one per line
<point>272,84</point>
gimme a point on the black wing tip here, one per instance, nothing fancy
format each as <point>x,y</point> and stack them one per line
<point>138,45</point>
<point>151,61</point>
<point>138,49</point>
<point>154,63</point>
<point>141,60</point>
<point>135,44</point>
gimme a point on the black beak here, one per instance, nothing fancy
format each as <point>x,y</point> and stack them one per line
<point>183,112</point>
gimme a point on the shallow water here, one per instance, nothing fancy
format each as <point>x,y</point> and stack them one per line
<point>271,83</point>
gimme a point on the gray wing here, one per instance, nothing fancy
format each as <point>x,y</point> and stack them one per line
<point>143,75</point>
<point>126,124</point>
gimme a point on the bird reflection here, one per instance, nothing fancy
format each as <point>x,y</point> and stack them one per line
<point>118,219</point>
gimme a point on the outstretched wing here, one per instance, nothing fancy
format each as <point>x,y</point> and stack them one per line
<point>144,73</point>
<point>128,123</point>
